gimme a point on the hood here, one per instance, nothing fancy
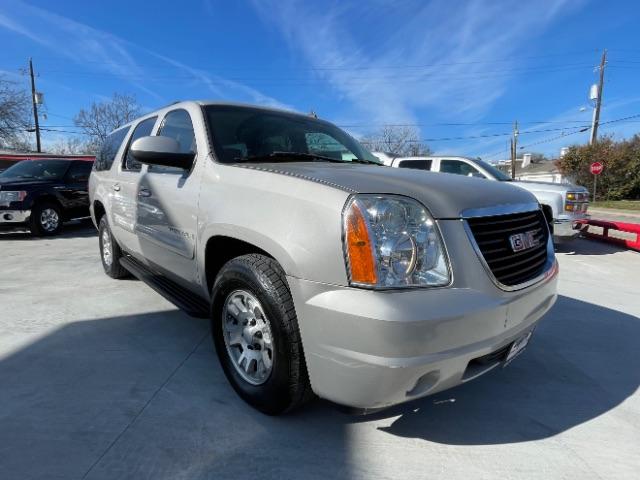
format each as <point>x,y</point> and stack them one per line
<point>16,182</point>
<point>549,186</point>
<point>445,195</point>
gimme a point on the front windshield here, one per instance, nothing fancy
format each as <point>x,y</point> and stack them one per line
<point>246,133</point>
<point>498,174</point>
<point>38,169</point>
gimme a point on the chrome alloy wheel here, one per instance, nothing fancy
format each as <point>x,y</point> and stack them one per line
<point>247,337</point>
<point>49,219</point>
<point>107,248</point>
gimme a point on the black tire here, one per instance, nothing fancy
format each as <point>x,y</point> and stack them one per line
<point>111,267</point>
<point>287,386</point>
<point>45,219</point>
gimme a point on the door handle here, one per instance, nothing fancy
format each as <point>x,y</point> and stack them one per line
<point>116,187</point>
<point>144,192</point>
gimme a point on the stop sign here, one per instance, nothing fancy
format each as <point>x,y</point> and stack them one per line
<point>596,168</point>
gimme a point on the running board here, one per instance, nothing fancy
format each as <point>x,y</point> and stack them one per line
<point>182,298</point>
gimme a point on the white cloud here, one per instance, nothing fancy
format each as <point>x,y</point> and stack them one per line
<point>462,39</point>
<point>105,52</point>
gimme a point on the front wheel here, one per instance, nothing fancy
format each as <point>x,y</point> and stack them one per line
<point>46,219</point>
<point>256,335</point>
<point>110,252</point>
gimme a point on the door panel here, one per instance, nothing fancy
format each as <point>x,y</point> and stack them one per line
<point>166,212</point>
<point>167,200</point>
<point>125,191</point>
<point>124,210</point>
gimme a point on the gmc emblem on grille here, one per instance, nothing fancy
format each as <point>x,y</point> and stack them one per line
<point>523,241</point>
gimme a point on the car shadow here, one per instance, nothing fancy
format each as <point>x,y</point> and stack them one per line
<point>584,246</point>
<point>143,396</point>
<point>580,364</point>
<point>74,229</point>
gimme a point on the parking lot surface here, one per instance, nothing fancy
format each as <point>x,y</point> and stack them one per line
<point>104,379</point>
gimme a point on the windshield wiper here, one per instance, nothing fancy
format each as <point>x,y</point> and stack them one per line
<point>297,156</point>
<point>365,161</point>
<point>291,156</point>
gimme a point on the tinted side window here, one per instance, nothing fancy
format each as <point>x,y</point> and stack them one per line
<point>109,149</point>
<point>177,125</point>
<point>79,171</point>
<point>418,164</point>
<point>457,167</point>
<point>143,129</point>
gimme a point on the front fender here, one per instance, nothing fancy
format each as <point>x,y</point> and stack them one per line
<point>297,222</point>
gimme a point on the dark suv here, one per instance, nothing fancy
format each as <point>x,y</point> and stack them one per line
<point>42,194</point>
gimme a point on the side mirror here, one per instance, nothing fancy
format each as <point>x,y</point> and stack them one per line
<point>162,151</point>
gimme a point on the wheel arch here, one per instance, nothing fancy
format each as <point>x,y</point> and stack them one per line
<point>47,197</point>
<point>219,249</point>
<point>97,211</point>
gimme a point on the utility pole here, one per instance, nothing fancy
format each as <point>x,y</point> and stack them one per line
<point>596,111</point>
<point>514,149</point>
<point>35,107</point>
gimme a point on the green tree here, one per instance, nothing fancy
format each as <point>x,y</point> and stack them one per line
<point>620,179</point>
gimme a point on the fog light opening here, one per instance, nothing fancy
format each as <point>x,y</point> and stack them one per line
<point>8,216</point>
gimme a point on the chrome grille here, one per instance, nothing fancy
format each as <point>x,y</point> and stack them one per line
<point>492,236</point>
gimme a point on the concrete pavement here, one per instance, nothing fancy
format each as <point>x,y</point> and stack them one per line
<point>104,379</point>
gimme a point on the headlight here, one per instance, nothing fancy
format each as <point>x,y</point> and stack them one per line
<point>392,241</point>
<point>12,196</point>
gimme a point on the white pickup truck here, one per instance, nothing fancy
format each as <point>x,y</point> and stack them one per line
<point>563,204</point>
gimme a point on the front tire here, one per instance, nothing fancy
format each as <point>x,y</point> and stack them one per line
<point>110,252</point>
<point>46,219</point>
<point>256,335</point>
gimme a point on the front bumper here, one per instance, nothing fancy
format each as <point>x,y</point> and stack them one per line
<point>564,227</point>
<point>370,350</point>
<point>14,217</point>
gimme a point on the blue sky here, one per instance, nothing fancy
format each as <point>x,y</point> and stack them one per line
<point>454,68</point>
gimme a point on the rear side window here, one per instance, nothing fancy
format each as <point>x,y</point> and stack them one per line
<point>79,171</point>
<point>177,125</point>
<point>417,164</point>
<point>143,129</point>
<point>109,149</point>
<point>458,168</point>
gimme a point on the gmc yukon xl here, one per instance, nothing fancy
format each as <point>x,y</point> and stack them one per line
<point>321,270</point>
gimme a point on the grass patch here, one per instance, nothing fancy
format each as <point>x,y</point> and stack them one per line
<point>618,204</point>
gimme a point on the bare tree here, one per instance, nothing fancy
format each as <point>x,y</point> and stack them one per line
<point>70,146</point>
<point>14,114</point>
<point>397,140</point>
<point>102,118</point>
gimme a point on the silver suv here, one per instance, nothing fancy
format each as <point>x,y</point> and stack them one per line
<point>321,270</point>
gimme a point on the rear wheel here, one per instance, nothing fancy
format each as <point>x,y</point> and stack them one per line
<point>256,335</point>
<point>110,252</point>
<point>46,219</point>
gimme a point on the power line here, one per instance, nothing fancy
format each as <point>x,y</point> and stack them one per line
<point>353,67</point>
<point>488,135</point>
<point>301,81</point>
<point>458,124</point>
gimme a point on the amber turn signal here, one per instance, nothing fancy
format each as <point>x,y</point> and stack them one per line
<point>359,247</point>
